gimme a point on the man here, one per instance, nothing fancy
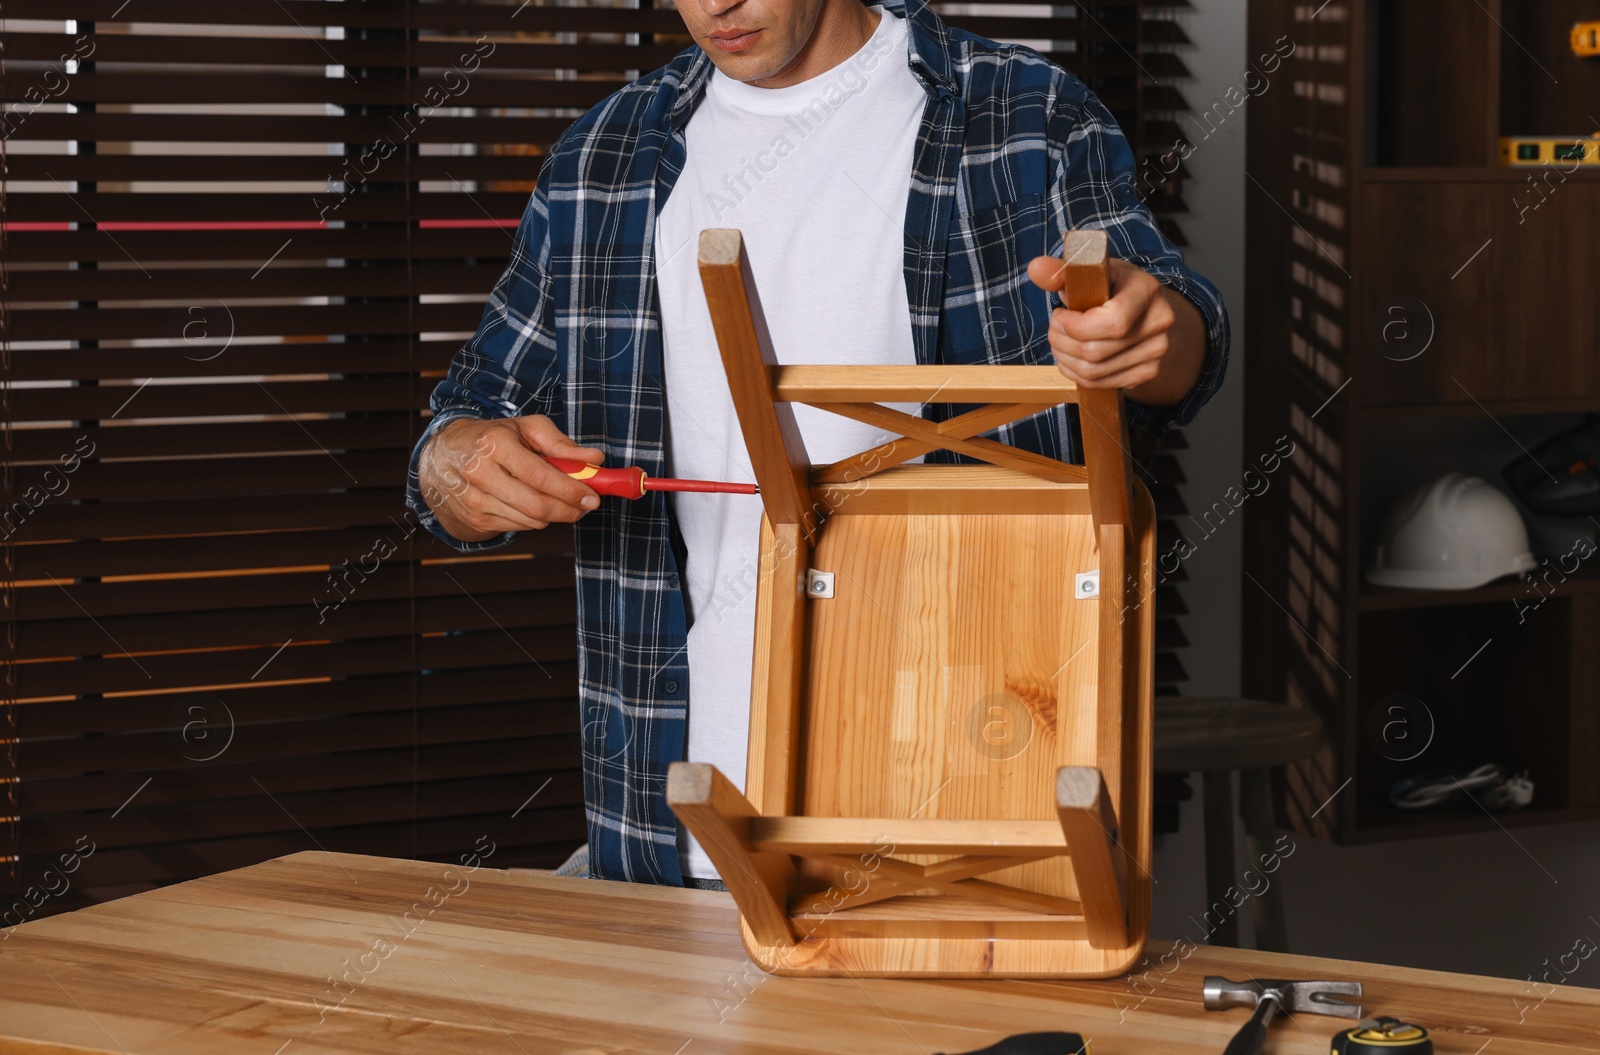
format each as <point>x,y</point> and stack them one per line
<point>898,184</point>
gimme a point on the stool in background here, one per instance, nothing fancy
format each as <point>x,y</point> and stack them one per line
<point>1217,736</point>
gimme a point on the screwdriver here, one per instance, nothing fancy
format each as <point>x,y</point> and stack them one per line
<point>633,482</point>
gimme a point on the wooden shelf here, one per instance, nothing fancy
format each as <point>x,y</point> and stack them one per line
<point>1500,408</point>
<point>1391,825</point>
<point>1381,598</point>
<point>1468,174</point>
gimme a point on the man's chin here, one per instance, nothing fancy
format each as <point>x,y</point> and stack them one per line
<point>745,67</point>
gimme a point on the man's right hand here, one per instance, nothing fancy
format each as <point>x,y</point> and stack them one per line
<point>484,478</point>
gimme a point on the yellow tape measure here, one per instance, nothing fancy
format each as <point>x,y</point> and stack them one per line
<point>1383,1035</point>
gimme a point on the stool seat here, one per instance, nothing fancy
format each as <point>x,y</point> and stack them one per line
<point>1218,736</point>
<point>1212,734</point>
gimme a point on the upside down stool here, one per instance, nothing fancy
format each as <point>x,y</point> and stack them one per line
<point>950,740</point>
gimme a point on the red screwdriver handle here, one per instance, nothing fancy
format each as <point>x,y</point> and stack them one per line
<point>623,483</point>
<point>633,483</point>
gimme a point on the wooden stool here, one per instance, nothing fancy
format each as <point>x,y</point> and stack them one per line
<point>949,768</point>
<point>1217,736</point>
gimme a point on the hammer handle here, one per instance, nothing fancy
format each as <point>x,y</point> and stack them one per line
<point>1253,1034</point>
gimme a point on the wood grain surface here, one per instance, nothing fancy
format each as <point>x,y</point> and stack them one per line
<point>516,962</point>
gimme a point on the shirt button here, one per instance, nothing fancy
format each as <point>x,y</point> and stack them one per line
<point>671,686</point>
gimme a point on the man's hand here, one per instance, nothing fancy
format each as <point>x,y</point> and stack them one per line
<point>1146,338</point>
<point>484,478</point>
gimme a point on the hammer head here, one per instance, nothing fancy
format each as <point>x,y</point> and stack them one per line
<point>1318,998</point>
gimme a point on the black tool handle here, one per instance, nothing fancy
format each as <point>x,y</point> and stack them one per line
<point>1037,1044</point>
<point>1253,1034</point>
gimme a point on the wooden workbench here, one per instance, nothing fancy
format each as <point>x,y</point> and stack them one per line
<point>253,961</point>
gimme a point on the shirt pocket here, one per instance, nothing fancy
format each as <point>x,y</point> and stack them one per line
<point>1006,317</point>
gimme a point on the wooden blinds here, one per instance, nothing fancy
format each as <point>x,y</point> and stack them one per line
<point>241,241</point>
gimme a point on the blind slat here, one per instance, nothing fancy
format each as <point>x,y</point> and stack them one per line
<point>75,560</point>
<point>525,610</point>
<point>304,660</point>
<point>380,242</point>
<point>266,743</point>
<point>480,578</point>
<point>226,777</point>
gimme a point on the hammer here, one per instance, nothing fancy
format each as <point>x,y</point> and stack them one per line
<point>1268,996</point>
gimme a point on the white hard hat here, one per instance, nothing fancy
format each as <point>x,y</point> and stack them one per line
<point>1454,534</point>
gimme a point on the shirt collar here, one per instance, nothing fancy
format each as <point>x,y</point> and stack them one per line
<point>928,57</point>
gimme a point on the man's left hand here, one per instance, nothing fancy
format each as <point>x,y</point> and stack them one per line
<point>1146,338</point>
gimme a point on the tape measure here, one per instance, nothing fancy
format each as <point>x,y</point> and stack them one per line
<point>1383,1035</point>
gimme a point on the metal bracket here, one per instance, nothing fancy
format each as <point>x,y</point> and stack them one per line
<point>819,583</point>
<point>1087,585</point>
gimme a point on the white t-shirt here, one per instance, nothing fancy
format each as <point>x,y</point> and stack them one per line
<point>816,177</point>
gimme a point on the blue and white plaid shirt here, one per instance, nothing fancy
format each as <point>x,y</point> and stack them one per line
<point>1012,152</point>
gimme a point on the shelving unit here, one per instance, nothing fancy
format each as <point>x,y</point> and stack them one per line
<point>1377,197</point>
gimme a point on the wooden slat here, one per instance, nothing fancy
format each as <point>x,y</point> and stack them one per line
<point>377,431</point>
<point>525,611</point>
<point>56,324</point>
<point>922,384</point>
<point>978,489</point>
<point>225,553</point>
<point>1112,673</point>
<point>259,168</point>
<point>308,472</point>
<point>322,808</point>
<point>487,87</point>
<point>247,513</point>
<point>257,129</point>
<point>178,51</point>
<point>291,15</point>
<point>116,873</point>
<point>200,336</point>
<point>906,918</point>
<point>176,670</point>
<point>776,681</point>
<point>379,204</point>
<point>389,241</point>
<point>484,577</point>
<point>524,756</point>
<point>866,835</point>
<point>62,719</point>
<point>284,279</point>
<point>166,750</point>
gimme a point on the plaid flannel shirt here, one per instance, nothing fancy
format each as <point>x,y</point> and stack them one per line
<point>1012,152</point>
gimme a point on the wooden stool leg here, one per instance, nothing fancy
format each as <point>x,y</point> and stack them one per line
<point>1218,795</point>
<point>1255,799</point>
<point>719,817</point>
<point>1090,827</point>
